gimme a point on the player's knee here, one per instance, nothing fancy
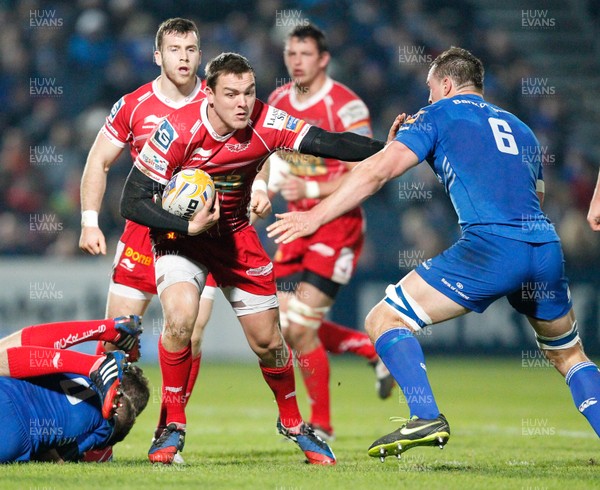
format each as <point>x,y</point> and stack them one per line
<point>305,316</point>
<point>178,329</point>
<point>561,349</point>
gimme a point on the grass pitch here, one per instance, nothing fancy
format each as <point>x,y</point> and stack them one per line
<point>513,426</point>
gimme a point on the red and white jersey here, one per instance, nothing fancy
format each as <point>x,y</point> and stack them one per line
<point>335,108</point>
<point>135,115</point>
<point>186,139</point>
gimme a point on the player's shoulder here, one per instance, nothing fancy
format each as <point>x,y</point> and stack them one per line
<point>349,107</point>
<point>279,94</point>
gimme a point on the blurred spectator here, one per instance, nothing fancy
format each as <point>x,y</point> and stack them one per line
<point>63,65</point>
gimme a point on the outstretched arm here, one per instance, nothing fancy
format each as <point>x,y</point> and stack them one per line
<point>364,181</point>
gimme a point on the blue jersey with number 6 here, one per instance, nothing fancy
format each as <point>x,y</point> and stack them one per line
<point>488,160</point>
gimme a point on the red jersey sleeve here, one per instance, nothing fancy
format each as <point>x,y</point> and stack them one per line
<point>117,126</point>
<point>279,129</point>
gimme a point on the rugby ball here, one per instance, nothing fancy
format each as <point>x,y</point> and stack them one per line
<point>187,192</point>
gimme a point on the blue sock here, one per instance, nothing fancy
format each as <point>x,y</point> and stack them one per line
<point>584,382</point>
<point>403,356</point>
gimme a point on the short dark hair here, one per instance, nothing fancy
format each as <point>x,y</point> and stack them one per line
<point>311,31</point>
<point>459,65</point>
<point>224,64</point>
<point>123,421</point>
<point>178,25</point>
<point>135,386</point>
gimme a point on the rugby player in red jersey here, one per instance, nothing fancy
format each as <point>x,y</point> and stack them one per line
<point>230,135</point>
<point>322,263</point>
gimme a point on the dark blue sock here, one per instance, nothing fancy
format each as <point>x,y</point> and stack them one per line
<point>584,382</point>
<point>401,352</point>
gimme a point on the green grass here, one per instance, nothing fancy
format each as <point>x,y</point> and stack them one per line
<point>512,427</point>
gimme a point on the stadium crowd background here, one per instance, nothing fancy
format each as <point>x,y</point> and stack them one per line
<point>63,65</point>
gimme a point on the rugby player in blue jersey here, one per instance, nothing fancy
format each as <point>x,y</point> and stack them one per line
<point>59,416</point>
<point>491,167</point>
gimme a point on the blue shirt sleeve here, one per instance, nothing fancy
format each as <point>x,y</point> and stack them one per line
<point>419,133</point>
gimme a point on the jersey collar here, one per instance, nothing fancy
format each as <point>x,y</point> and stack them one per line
<point>303,105</point>
<point>171,103</point>
<point>204,117</point>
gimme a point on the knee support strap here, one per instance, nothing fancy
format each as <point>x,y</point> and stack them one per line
<point>563,341</point>
<point>305,315</point>
<point>414,316</point>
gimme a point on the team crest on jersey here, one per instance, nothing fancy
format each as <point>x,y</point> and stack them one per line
<point>164,135</point>
<point>237,147</point>
<point>116,108</point>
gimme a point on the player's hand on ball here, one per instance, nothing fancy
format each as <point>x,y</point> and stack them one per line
<point>92,240</point>
<point>206,217</point>
<point>290,226</point>
<point>399,121</point>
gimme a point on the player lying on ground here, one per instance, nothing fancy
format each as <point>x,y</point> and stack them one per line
<point>58,412</point>
<point>508,246</point>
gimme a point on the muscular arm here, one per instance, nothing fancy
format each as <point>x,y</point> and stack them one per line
<point>93,185</point>
<point>365,180</point>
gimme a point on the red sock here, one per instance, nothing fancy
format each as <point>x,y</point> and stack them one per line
<point>338,339</point>
<point>283,385</point>
<point>314,367</point>
<point>28,361</point>
<point>62,335</point>
<point>175,369</point>
<point>194,371</point>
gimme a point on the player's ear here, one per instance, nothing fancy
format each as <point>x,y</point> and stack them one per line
<point>447,85</point>
<point>210,95</point>
<point>157,58</point>
<point>324,59</point>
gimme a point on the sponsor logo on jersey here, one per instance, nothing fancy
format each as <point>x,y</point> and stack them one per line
<point>201,154</point>
<point>263,270</point>
<point>130,253</point>
<point>411,120</point>
<point>116,108</point>
<point>293,124</point>
<point>276,118</point>
<point>151,121</point>
<point>164,135</point>
<point>353,112</point>
<point>154,160</point>
<point>237,147</point>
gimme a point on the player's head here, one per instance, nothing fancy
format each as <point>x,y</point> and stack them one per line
<point>124,419</point>
<point>230,91</point>
<point>135,386</point>
<point>177,51</point>
<point>306,55</point>
<point>454,70</point>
